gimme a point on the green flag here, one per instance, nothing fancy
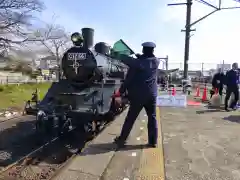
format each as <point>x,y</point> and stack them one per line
<point>120,47</point>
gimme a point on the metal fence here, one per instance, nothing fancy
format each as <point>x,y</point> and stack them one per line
<point>22,80</point>
<point>201,66</point>
<point>193,66</point>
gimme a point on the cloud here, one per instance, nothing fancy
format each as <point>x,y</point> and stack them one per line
<point>216,38</point>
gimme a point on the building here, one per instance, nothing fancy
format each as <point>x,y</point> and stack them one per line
<point>224,67</point>
<point>48,62</point>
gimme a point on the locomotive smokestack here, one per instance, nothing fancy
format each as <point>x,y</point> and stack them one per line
<point>88,36</point>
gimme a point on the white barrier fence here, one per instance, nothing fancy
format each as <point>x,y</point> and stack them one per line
<point>172,101</point>
<point>21,80</point>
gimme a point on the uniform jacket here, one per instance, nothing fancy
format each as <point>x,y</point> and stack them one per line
<point>231,79</point>
<point>141,78</point>
<point>218,80</point>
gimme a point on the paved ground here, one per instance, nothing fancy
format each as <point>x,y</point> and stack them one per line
<point>201,144</point>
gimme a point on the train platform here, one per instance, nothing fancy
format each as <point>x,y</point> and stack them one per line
<point>198,144</point>
<point>201,143</point>
<point>101,160</point>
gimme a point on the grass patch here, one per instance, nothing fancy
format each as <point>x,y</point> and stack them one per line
<point>14,96</point>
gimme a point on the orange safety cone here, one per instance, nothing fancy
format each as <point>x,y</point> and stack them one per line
<point>173,91</point>
<point>204,96</point>
<point>197,92</point>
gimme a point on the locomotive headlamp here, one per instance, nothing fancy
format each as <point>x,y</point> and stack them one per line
<point>41,115</point>
<point>76,37</point>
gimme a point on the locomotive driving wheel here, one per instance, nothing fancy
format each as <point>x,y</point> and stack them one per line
<point>39,123</point>
<point>90,128</point>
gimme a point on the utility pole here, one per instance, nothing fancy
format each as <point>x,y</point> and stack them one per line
<point>187,38</point>
<point>187,31</point>
<point>166,60</point>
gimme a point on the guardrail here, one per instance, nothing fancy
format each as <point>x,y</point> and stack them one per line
<point>6,80</point>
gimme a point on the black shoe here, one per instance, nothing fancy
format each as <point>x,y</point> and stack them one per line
<point>151,145</point>
<point>226,109</point>
<point>120,142</point>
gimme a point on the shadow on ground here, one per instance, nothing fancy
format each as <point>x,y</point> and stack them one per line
<point>21,139</point>
<point>233,118</point>
<point>16,141</point>
<point>211,109</point>
<point>107,147</point>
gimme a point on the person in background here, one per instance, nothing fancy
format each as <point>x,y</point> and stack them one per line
<point>217,82</point>
<point>141,85</point>
<point>231,81</point>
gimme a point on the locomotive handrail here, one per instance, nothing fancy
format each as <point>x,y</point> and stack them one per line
<point>91,95</point>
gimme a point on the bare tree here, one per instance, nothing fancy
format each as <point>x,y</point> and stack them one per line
<point>54,38</point>
<point>15,16</point>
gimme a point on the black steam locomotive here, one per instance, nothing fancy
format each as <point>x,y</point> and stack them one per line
<point>83,96</point>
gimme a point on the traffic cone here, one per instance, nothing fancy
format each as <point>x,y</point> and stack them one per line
<point>173,91</point>
<point>204,96</point>
<point>197,92</point>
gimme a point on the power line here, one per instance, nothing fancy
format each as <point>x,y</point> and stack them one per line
<point>189,25</point>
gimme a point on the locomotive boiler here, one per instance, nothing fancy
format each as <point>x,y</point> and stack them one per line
<point>83,96</point>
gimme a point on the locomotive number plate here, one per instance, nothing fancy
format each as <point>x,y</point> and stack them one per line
<point>77,56</point>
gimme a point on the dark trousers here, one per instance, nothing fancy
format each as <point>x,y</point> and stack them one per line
<point>133,112</point>
<point>229,91</point>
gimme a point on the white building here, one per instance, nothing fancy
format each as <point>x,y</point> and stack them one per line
<point>224,67</point>
<point>46,62</point>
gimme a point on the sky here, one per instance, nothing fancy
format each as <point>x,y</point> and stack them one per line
<point>216,38</point>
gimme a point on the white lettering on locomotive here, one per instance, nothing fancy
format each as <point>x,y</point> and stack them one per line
<point>77,56</point>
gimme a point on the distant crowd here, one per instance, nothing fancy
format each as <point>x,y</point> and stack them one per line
<point>231,81</point>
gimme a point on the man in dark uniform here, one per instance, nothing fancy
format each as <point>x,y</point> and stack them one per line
<point>141,85</point>
<point>217,82</point>
<point>231,81</point>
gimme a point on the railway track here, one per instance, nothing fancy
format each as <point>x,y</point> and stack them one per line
<point>17,137</point>
<point>12,118</point>
<point>46,161</point>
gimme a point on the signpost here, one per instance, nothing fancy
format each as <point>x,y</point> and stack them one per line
<point>172,101</point>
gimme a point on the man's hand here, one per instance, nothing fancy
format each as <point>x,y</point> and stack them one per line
<point>138,55</point>
<point>118,100</point>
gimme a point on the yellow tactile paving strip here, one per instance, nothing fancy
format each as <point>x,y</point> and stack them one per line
<point>152,160</point>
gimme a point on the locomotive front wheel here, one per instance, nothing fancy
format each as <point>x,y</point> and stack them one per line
<point>40,129</point>
<point>90,129</point>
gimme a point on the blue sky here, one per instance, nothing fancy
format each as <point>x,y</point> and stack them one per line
<point>136,21</point>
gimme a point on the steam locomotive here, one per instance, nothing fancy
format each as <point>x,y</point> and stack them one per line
<point>83,96</point>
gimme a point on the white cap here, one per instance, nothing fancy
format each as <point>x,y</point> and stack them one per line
<point>149,44</point>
